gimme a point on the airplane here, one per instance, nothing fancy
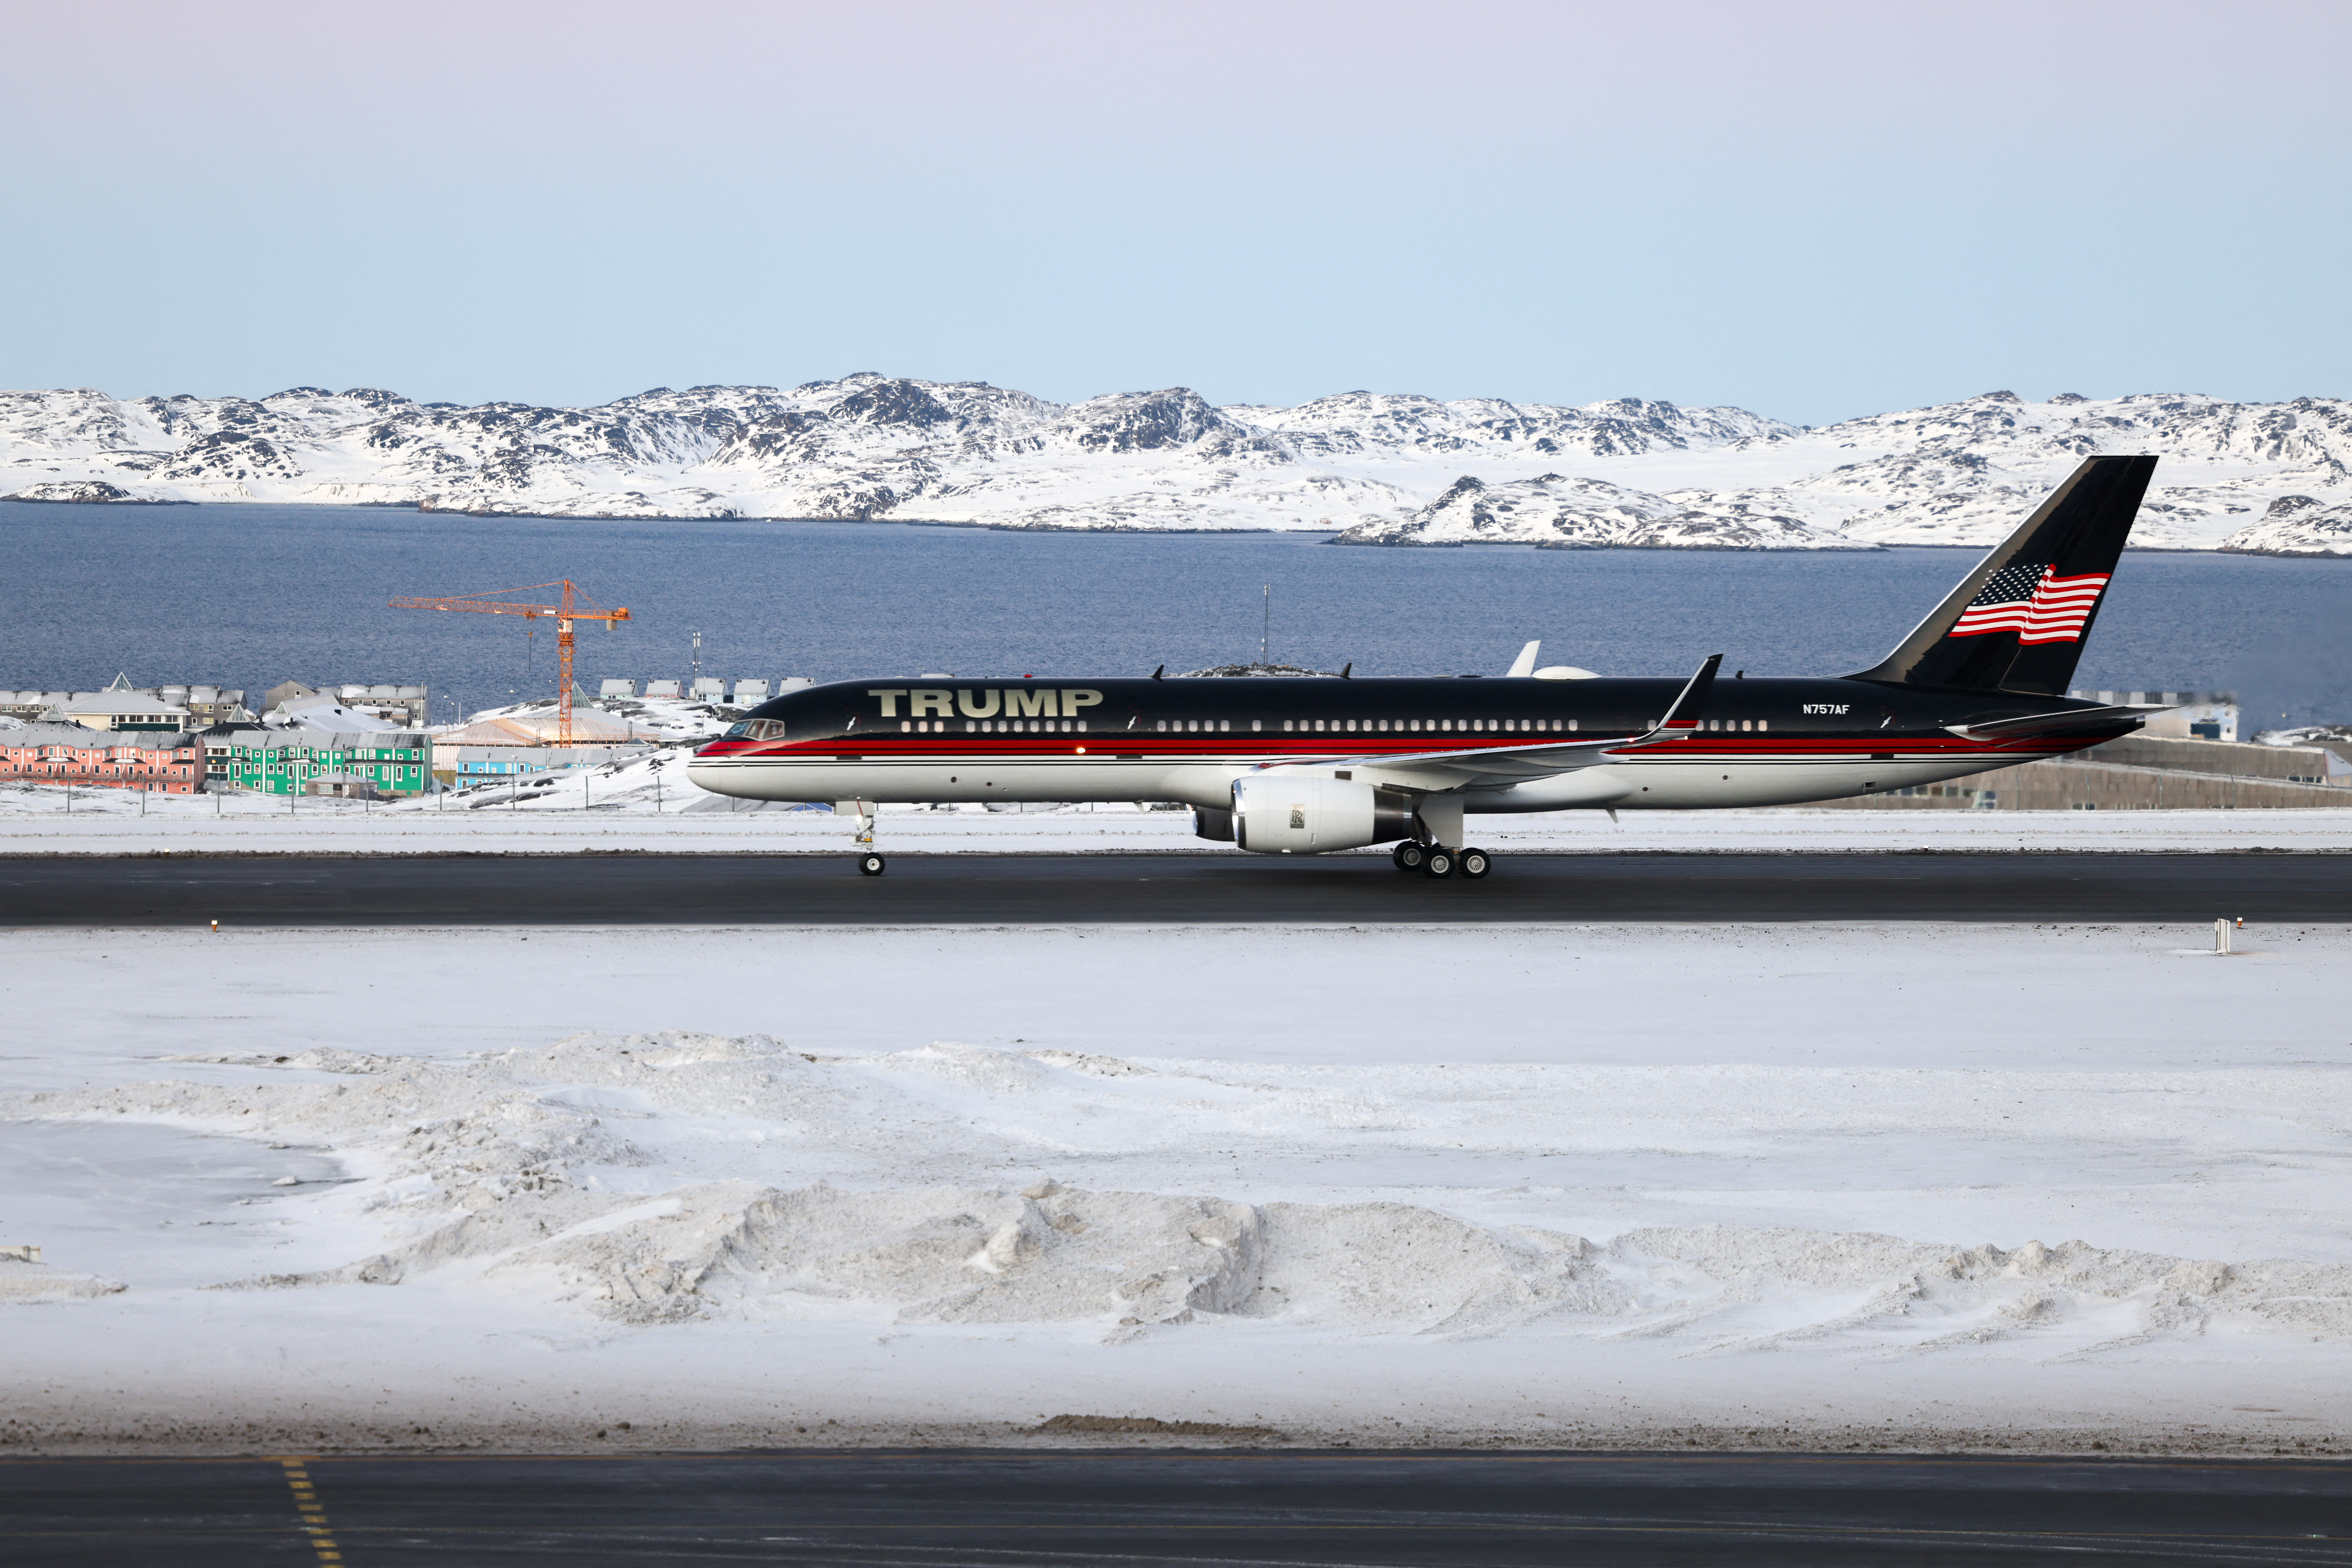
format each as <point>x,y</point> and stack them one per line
<point>1308,766</point>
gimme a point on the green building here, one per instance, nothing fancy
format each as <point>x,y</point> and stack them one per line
<point>316,762</point>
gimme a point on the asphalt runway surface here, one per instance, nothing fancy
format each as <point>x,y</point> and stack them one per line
<point>1060,890</point>
<point>1014,1509</point>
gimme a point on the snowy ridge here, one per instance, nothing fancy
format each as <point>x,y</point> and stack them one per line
<point>549,1189</point>
<point>1554,513</point>
<point>499,1175</point>
<point>1379,468</point>
<point>2297,525</point>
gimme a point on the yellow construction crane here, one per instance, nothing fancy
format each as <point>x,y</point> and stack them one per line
<point>572,608</point>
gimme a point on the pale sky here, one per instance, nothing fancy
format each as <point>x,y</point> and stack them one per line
<point>1810,209</point>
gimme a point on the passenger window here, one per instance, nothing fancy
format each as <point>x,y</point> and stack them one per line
<point>1286,723</point>
<point>1258,724</point>
<point>1162,724</point>
<point>903,726</point>
<point>1225,723</point>
<point>1082,724</point>
<point>1571,723</point>
<point>1763,724</point>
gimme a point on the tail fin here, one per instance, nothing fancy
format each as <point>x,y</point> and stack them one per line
<point>2019,621</point>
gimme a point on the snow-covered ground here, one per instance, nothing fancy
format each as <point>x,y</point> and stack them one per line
<point>1980,1186</point>
<point>637,806</point>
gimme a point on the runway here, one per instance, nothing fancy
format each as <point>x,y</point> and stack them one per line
<point>1014,1509</point>
<point>1061,890</point>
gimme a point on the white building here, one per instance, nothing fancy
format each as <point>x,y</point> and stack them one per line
<point>116,709</point>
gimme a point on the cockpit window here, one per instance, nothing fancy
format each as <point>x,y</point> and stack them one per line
<point>758,729</point>
<point>738,731</point>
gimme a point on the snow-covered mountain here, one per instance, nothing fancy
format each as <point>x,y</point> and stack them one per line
<point>1553,512</point>
<point>2297,525</point>
<point>1375,467</point>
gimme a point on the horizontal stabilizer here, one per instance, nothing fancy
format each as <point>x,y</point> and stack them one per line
<point>2056,723</point>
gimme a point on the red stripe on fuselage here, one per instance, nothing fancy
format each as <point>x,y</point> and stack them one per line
<point>1693,749</point>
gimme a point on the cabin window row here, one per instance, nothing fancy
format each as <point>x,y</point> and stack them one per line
<point>1431,726</point>
<point>994,726</point>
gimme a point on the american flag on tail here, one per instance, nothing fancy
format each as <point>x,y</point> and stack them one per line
<point>2034,601</point>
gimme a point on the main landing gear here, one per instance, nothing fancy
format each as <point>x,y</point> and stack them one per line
<point>1436,860</point>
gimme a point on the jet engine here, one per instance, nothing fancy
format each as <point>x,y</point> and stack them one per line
<point>1304,814</point>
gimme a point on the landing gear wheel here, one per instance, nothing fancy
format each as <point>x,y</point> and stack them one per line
<point>871,865</point>
<point>1477,863</point>
<point>1409,856</point>
<point>1439,863</point>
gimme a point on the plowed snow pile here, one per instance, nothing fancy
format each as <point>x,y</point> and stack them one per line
<point>1889,1187</point>
<point>514,1175</point>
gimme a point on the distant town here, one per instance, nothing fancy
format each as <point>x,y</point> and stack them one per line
<point>355,742</point>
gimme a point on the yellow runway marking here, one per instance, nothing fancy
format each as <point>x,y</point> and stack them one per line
<point>312,1512</point>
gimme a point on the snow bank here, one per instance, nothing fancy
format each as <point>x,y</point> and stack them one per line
<point>23,1283</point>
<point>495,1174</point>
<point>1265,1186</point>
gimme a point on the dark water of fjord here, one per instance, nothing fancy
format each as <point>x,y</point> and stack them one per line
<point>249,596</point>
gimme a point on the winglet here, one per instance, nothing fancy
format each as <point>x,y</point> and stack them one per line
<point>1525,665</point>
<point>1684,714</point>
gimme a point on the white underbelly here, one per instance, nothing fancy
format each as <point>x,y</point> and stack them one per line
<point>1687,786</point>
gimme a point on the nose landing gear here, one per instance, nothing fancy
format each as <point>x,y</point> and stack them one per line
<point>869,864</point>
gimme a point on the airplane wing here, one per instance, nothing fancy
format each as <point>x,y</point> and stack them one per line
<point>1513,763</point>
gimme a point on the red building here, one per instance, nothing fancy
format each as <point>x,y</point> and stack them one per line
<point>168,761</point>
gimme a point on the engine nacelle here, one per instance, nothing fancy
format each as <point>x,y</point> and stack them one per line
<point>1305,813</point>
